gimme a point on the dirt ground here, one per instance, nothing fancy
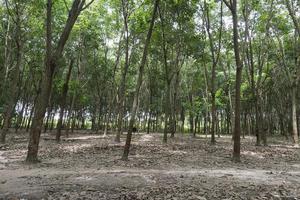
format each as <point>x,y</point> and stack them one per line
<point>87,166</point>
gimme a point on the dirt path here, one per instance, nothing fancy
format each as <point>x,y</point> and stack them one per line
<point>34,183</point>
<point>252,176</point>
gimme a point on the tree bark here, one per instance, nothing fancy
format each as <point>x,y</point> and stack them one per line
<point>215,54</point>
<point>296,22</point>
<point>13,91</point>
<point>232,5</point>
<point>122,88</point>
<point>51,62</point>
<point>294,117</point>
<point>139,83</point>
<point>63,101</point>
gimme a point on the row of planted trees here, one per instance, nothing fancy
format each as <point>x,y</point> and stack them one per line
<point>197,66</point>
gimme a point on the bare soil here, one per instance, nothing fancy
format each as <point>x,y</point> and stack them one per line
<point>88,166</point>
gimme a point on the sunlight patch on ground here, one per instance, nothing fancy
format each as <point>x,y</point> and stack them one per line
<point>17,157</point>
<point>146,138</point>
<point>280,147</point>
<point>148,178</point>
<point>3,160</point>
<point>85,178</point>
<point>296,165</point>
<point>177,152</point>
<point>254,154</point>
<point>76,148</point>
<point>86,137</point>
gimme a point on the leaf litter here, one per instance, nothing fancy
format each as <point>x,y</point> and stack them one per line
<point>89,167</point>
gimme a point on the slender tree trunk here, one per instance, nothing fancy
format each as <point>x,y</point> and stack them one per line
<point>22,121</point>
<point>30,118</point>
<point>71,114</point>
<point>52,119</point>
<point>261,120</point>
<point>48,113</point>
<point>13,89</point>
<point>167,112</point>
<point>205,123</point>
<point>168,80</point>
<point>215,59</point>
<point>195,125</point>
<point>294,117</point>
<point>182,117</point>
<point>20,116</point>
<point>149,110</point>
<point>232,5</point>
<point>63,101</point>
<point>6,49</point>
<point>139,83</point>
<point>122,88</point>
<point>174,104</point>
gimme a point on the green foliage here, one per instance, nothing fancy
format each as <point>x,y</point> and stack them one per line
<point>97,47</point>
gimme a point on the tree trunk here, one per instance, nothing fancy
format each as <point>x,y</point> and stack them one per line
<point>122,88</point>
<point>149,110</point>
<point>174,104</point>
<point>167,112</point>
<point>30,118</point>
<point>168,80</point>
<point>63,101</point>
<point>39,113</point>
<point>50,65</point>
<point>48,113</point>
<point>232,5</point>
<point>182,118</point>
<point>139,83</point>
<point>20,116</point>
<point>294,117</point>
<point>215,53</point>
<point>70,114</point>
<point>13,91</point>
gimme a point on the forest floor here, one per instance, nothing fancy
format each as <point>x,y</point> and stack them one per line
<point>88,166</point>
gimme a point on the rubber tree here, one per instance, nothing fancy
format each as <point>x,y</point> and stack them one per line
<point>63,100</point>
<point>296,22</point>
<point>168,78</point>
<point>139,82</point>
<point>232,5</point>
<point>122,88</point>
<point>215,55</point>
<point>51,62</point>
<point>15,12</point>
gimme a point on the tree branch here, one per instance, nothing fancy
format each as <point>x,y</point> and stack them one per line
<point>87,5</point>
<point>293,16</point>
<point>228,4</point>
<point>9,12</point>
<point>66,5</point>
